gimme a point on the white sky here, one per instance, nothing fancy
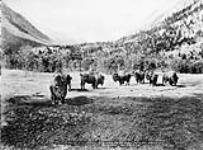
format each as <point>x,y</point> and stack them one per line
<point>74,21</point>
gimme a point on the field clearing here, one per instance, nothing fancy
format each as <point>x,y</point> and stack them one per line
<point>168,116</point>
<point>28,83</point>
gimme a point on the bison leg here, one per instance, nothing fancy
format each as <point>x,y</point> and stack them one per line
<point>82,85</point>
<point>154,83</point>
<point>170,82</point>
<point>94,85</point>
<point>163,81</point>
<point>69,87</point>
<point>61,101</point>
<point>128,82</point>
<point>137,81</point>
<point>142,81</point>
<point>53,96</point>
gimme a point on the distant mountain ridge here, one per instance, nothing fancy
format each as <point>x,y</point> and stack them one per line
<point>17,31</point>
<point>183,26</point>
<point>191,11</point>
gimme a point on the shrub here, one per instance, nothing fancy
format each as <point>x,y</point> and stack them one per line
<point>181,66</point>
<point>186,66</point>
<point>114,63</point>
<point>87,63</point>
<point>196,67</point>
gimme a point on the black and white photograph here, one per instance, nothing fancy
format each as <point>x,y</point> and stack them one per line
<point>101,74</point>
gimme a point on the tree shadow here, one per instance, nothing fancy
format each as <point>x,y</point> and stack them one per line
<point>160,84</point>
<point>31,100</point>
<point>102,88</point>
<point>80,100</point>
<point>19,99</point>
<point>79,90</point>
<point>42,101</point>
<point>178,86</point>
<point>132,84</point>
<point>181,86</point>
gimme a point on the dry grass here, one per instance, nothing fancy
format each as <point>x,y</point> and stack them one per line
<point>147,117</point>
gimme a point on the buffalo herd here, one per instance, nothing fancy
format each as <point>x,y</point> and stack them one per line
<point>61,83</point>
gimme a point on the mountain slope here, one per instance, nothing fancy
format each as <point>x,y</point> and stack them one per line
<point>175,42</point>
<point>17,31</point>
<point>187,22</point>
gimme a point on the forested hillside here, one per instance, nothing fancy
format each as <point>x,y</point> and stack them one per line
<point>17,32</point>
<point>174,43</point>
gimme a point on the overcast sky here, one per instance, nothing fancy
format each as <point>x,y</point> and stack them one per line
<point>91,20</point>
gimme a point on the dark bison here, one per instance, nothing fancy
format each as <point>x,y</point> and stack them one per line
<point>69,78</point>
<point>122,78</point>
<point>58,88</point>
<point>139,76</point>
<point>152,77</point>
<point>95,80</point>
<point>171,77</point>
<point>148,75</point>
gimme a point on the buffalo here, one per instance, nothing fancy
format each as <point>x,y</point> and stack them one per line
<point>152,77</point>
<point>95,80</point>
<point>58,88</point>
<point>148,75</point>
<point>139,76</point>
<point>122,78</point>
<point>171,77</point>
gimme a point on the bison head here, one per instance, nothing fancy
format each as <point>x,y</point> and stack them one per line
<point>115,77</point>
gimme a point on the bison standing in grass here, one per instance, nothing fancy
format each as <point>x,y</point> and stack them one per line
<point>152,77</point>
<point>139,76</point>
<point>95,80</point>
<point>122,78</point>
<point>171,77</point>
<point>58,88</point>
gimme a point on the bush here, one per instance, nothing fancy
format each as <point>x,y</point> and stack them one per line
<point>181,66</point>
<point>87,63</point>
<point>196,67</point>
<point>114,63</point>
<point>186,66</point>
